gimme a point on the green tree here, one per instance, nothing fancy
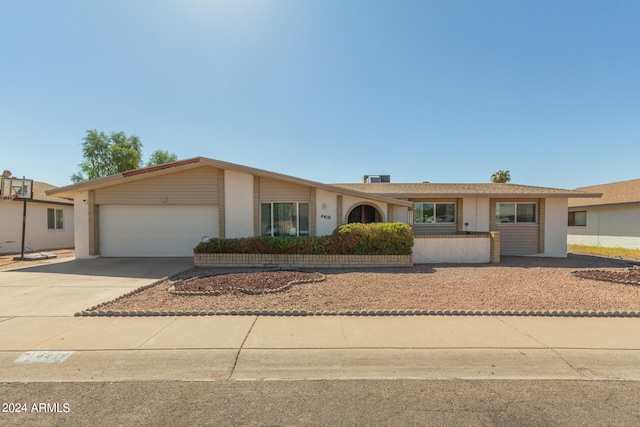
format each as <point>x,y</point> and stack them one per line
<point>106,155</point>
<point>160,157</point>
<point>501,177</point>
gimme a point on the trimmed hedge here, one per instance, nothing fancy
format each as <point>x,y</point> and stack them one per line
<point>349,239</point>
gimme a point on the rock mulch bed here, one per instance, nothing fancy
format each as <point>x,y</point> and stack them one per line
<point>517,286</point>
<point>255,283</point>
<point>630,276</point>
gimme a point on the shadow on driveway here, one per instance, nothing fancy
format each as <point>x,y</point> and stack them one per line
<point>143,268</point>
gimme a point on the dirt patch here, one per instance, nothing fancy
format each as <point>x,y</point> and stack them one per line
<point>8,263</point>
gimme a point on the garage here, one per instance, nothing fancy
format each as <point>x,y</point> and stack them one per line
<point>154,230</point>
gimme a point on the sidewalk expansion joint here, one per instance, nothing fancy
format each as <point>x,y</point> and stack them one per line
<point>235,361</point>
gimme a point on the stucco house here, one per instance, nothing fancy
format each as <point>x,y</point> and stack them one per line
<point>166,210</point>
<point>610,221</point>
<point>49,222</point>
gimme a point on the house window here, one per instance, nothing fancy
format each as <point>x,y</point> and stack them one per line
<point>578,219</point>
<point>430,213</point>
<point>516,213</point>
<point>55,219</point>
<point>284,219</point>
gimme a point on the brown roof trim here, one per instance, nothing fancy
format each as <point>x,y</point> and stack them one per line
<point>421,190</point>
<point>161,167</point>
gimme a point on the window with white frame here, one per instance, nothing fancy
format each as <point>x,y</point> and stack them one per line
<point>516,213</point>
<point>578,219</point>
<point>434,213</point>
<point>284,219</point>
<point>55,219</point>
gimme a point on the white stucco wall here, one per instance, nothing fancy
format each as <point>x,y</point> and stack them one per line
<point>475,212</point>
<point>401,214</point>
<point>238,191</point>
<point>608,226</point>
<point>555,228</point>
<point>451,249</point>
<point>37,234</point>
<point>81,221</point>
<point>326,212</point>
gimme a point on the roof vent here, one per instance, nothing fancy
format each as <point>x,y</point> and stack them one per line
<point>368,179</point>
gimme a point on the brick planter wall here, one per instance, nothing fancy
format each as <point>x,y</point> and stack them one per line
<point>301,261</point>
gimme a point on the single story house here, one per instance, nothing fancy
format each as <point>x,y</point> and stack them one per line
<point>49,222</point>
<point>610,221</point>
<point>166,210</point>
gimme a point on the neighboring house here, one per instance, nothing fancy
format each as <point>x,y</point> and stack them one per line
<point>166,210</point>
<point>611,221</point>
<point>49,222</point>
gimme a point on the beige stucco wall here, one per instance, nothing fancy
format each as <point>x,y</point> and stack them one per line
<point>476,213</point>
<point>401,214</point>
<point>81,215</point>
<point>37,234</point>
<point>238,190</point>
<point>326,212</point>
<point>555,231</point>
<point>608,226</point>
<point>456,249</point>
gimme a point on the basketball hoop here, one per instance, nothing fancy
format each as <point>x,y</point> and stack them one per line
<point>8,197</point>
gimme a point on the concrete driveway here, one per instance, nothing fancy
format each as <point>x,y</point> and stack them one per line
<point>65,288</point>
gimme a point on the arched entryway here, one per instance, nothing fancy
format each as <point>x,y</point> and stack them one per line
<point>365,214</point>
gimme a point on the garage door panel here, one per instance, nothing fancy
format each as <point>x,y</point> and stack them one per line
<point>147,231</point>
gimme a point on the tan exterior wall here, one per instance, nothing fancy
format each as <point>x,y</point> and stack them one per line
<point>280,191</point>
<point>191,187</point>
<point>518,239</point>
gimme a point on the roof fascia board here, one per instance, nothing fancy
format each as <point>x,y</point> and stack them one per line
<point>301,181</point>
<point>606,205</point>
<point>491,195</point>
<point>116,179</point>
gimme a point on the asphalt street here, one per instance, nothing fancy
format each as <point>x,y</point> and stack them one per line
<point>324,403</point>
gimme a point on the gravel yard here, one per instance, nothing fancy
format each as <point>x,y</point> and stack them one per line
<point>516,284</point>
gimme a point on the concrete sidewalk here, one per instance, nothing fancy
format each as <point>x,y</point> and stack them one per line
<point>332,347</point>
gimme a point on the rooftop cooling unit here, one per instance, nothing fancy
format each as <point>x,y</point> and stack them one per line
<point>368,179</point>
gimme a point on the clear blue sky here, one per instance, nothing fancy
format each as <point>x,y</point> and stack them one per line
<point>330,90</point>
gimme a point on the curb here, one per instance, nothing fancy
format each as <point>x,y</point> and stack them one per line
<point>95,312</point>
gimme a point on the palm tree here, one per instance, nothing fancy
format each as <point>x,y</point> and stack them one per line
<point>501,177</point>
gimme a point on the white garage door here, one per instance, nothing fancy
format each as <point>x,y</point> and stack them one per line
<point>154,231</point>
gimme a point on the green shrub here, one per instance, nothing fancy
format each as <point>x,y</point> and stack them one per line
<point>372,239</point>
<point>348,239</point>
